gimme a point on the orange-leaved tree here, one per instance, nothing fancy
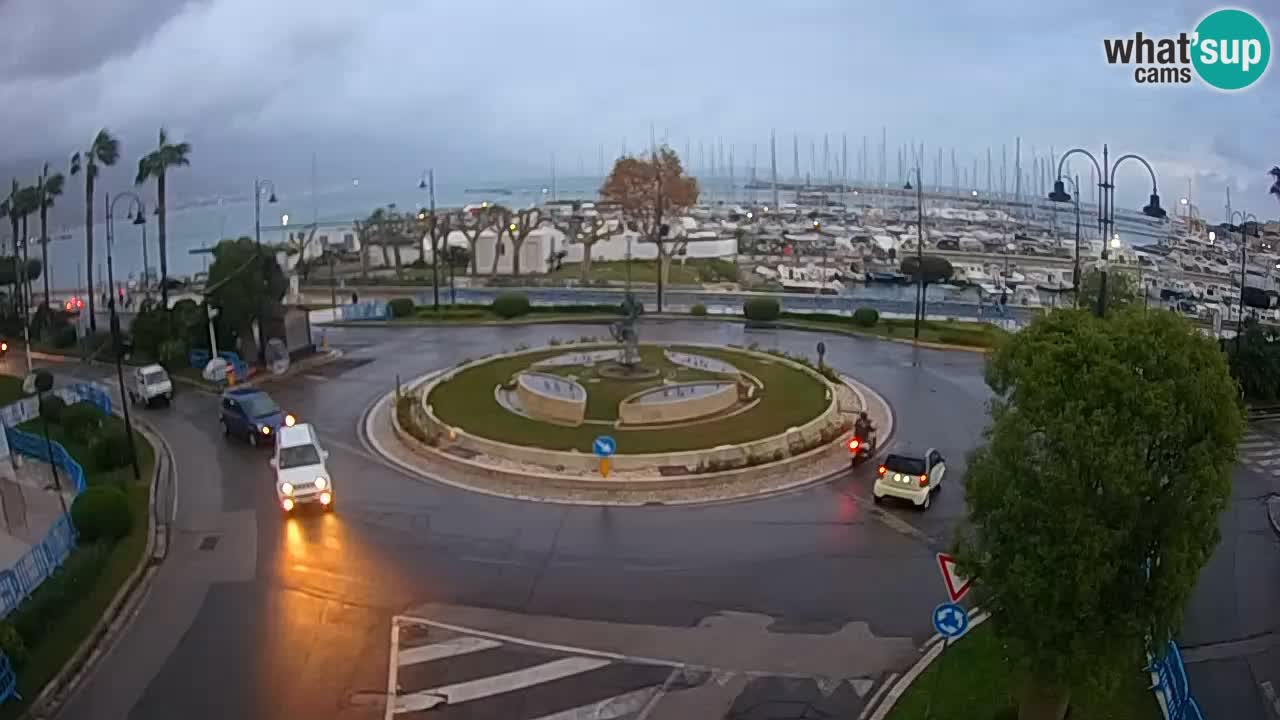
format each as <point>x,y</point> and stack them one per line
<point>651,192</point>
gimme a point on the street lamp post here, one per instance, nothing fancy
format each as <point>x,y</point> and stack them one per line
<point>428,183</point>
<point>919,250</point>
<point>1244,254</point>
<point>258,187</point>
<point>1106,205</point>
<point>138,211</point>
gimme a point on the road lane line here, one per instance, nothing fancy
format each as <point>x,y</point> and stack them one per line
<point>448,648</point>
<point>607,709</point>
<point>391,671</point>
<point>496,684</point>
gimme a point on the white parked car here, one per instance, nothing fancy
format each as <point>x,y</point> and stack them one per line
<point>301,474</point>
<point>914,478</point>
<point>149,385</point>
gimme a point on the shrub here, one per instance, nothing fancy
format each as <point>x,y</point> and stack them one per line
<point>111,448</point>
<point>53,407</point>
<point>400,307</point>
<point>64,337</point>
<point>172,353</point>
<point>101,512</point>
<point>12,646</point>
<point>510,305</point>
<point>61,590</point>
<point>698,310</point>
<point>761,309</point>
<point>82,419</point>
<point>866,316</point>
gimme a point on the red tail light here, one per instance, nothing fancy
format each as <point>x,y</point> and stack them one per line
<point>854,444</point>
<point>924,481</point>
<point>882,470</point>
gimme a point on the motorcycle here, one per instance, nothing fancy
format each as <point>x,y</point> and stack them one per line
<point>861,448</point>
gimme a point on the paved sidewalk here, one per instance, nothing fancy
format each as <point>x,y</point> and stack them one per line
<point>29,507</point>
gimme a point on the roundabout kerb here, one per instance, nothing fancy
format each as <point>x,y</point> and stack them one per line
<point>801,455</point>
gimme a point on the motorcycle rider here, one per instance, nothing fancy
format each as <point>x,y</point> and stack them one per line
<point>862,427</point>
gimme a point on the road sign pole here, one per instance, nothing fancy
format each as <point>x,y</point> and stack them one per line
<point>604,467</point>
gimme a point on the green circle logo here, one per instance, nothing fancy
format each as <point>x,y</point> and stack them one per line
<point>1231,50</point>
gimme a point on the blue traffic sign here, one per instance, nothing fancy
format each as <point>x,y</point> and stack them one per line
<point>604,446</point>
<point>950,620</point>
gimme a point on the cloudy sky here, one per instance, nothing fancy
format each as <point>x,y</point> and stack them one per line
<point>490,89</point>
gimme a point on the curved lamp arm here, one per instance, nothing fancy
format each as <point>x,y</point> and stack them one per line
<point>1062,161</point>
<point>1115,165</point>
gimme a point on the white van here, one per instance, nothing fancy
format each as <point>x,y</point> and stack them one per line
<point>301,473</point>
<point>150,384</point>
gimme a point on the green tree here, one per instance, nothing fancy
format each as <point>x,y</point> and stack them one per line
<point>1094,500</point>
<point>1255,361</point>
<point>156,164</point>
<point>47,191</point>
<point>13,212</point>
<point>104,150</point>
<point>236,289</point>
<point>1122,290</point>
<point>936,269</point>
<point>26,201</point>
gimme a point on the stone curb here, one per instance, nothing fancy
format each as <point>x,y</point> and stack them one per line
<point>896,689</point>
<point>131,593</point>
<point>663,492</point>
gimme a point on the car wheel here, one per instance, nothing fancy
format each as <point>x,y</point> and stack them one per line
<point>928,500</point>
<point>226,431</point>
<point>877,500</point>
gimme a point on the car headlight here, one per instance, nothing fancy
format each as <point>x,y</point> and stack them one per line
<point>266,429</point>
<point>322,482</point>
<point>290,420</point>
<point>286,488</point>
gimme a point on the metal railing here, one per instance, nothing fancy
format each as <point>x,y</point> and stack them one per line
<point>35,446</point>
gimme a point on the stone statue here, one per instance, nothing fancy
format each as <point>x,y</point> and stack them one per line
<point>624,332</point>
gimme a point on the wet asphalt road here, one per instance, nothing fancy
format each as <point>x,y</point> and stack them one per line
<point>287,618</point>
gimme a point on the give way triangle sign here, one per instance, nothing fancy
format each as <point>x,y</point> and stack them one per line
<point>957,586</point>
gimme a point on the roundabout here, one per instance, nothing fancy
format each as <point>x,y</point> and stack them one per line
<point>683,422</point>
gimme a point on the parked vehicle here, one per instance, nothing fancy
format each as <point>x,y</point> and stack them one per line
<point>150,385</point>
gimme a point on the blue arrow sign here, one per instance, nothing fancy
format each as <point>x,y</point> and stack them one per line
<point>950,620</point>
<point>604,446</point>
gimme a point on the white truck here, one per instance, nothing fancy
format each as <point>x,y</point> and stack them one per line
<point>149,385</point>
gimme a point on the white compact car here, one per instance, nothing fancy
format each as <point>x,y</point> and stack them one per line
<point>914,478</point>
<point>301,474</point>
<point>149,385</point>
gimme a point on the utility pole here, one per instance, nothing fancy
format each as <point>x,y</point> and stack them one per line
<point>773,165</point>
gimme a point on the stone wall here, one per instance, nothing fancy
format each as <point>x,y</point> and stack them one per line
<point>631,411</point>
<point>567,408</point>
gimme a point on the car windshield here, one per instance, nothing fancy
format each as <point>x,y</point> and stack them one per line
<point>154,378</point>
<point>298,456</point>
<point>259,405</point>
<point>904,464</point>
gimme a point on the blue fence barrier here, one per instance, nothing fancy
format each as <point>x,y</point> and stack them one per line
<point>1171,686</point>
<point>36,447</point>
<point>368,310</point>
<point>8,680</point>
<point>17,582</point>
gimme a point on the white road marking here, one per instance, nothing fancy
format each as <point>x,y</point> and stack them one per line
<point>495,684</point>
<point>609,709</point>
<point>449,648</point>
<point>391,671</point>
<point>1267,463</point>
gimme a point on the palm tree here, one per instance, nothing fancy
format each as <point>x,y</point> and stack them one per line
<point>28,202</point>
<point>105,150</point>
<point>47,190</point>
<point>154,165</point>
<point>11,209</point>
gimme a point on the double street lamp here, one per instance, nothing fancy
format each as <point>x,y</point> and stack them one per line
<point>1244,254</point>
<point>137,211</point>
<point>919,250</point>
<point>259,187</point>
<point>1106,205</point>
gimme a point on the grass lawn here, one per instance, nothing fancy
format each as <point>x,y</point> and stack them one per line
<point>690,272</point>
<point>603,396</point>
<point>974,685</point>
<point>10,389</point>
<point>96,572</point>
<point>949,332</point>
<point>791,398</point>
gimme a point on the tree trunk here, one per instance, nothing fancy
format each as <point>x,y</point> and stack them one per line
<point>88,242</point>
<point>17,275</point>
<point>395,251</point>
<point>665,267</point>
<point>386,256</point>
<point>472,242</point>
<point>497,245</point>
<point>516,243</point>
<point>164,248</point>
<point>1043,701</point>
<point>44,259</point>
<point>26,274</point>
<point>588,242</point>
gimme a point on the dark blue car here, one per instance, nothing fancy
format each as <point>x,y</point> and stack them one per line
<point>250,414</point>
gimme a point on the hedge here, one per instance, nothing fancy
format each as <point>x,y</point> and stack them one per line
<point>400,307</point>
<point>101,512</point>
<point>762,309</point>
<point>866,316</point>
<point>510,305</point>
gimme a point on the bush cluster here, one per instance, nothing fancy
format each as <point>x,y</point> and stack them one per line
<point>762,309</point>
<point>510,305</point>
<point>400,307</point>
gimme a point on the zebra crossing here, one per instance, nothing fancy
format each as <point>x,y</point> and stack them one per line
<point>443,674</point>
<point>1260,452</point>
